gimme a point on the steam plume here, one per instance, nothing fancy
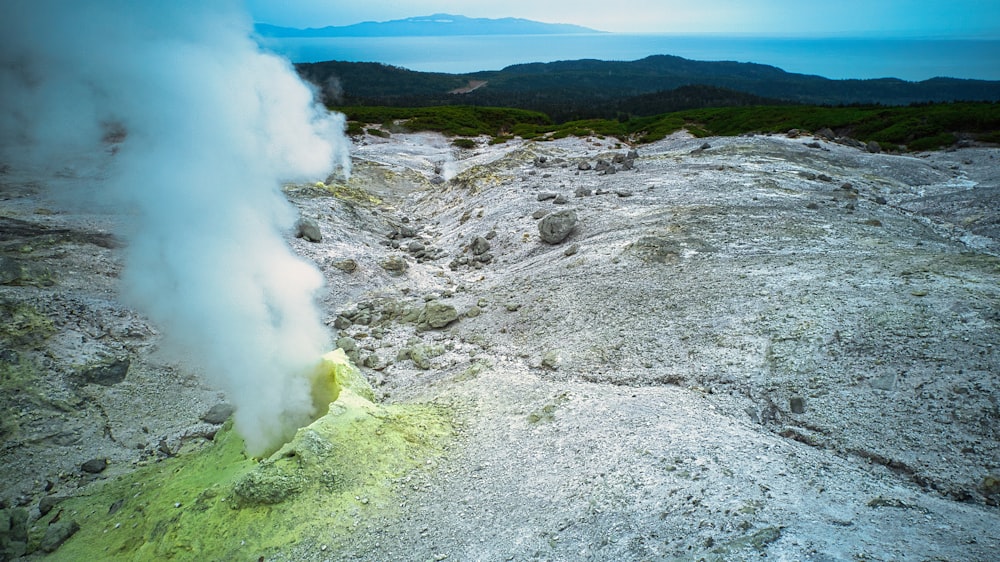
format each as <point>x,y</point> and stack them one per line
<point>170,112</point>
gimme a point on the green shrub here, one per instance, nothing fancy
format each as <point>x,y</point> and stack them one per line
<point>465,143</point>
<point>917,127</point>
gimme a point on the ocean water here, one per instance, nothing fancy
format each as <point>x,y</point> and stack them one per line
<point>908,59</point>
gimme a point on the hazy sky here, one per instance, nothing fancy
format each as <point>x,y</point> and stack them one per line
<point>796,17</point>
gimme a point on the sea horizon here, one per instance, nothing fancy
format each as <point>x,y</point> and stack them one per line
<point>905,58</point>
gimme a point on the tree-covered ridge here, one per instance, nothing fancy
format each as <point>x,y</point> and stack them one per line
<point>584,89</point>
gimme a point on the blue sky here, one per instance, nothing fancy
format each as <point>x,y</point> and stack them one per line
<point>961,18</point>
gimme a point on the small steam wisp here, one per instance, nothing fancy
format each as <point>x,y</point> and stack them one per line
<point>170,112</point>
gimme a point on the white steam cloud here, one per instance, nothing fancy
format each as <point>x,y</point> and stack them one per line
<point>172,113</point>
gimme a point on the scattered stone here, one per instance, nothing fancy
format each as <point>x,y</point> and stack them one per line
<point>885,382</point>
<point>218,414</point>
<point>375,362</point>
<point>58,533</point>
<point>623,193</point>
<point>824,177</point>
<point>342,322</point>
<point>797,404</point>
<point>94,466</point>
<point>826,133</point>
<point>473,312</point>
<point>415,246</point>
<point>551,360</point>
<point>793,133</point>
<point>602,165</point>
<point>814,145</point>
<point>308,229</point>
<point>571,250</point>
<point>106,373</point>
<point>610,170</point>
<point>556,227</point>
<point>560,200</point>
<point>873,147</point>
<point>394,264</point>
<point>437,180</point>
<point>10,271</point>
<point>812,206</point>
<point>268,484</point>
<point>880,200</point>
<point>13,533</point>
<point>853,143</point>
<point>346,265</point>
<point>545,196</point>
<point>46,504</point>
<point>633,154</point>
<point>479,246</point>
<point>438,314</point>
<point>583,166</point>
<point>808,175</point>
<point>705,146</point>
<point>350,348</point>
<point>539,214</point>
<point>583,192</point>
<point>541,161</point>
<point>421,355</point>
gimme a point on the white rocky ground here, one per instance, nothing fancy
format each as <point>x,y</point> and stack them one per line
<point>733,355</point>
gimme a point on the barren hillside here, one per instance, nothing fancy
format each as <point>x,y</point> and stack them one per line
<point>729,349</point>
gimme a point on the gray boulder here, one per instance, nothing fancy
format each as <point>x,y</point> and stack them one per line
<point>873,147</point>
<point>394,264</point>
<point>308,229</point>
<point>346,265</point>
<point>438,314</point>
<point>57,533</point>
<point>556,227</point>
<point>479,246</point>
<point>218,414</point>
<point>106,373</point>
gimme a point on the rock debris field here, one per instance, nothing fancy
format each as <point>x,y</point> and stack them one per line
<point>739,348</point>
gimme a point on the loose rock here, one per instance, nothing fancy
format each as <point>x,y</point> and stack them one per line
<point>94,466</point>
<point>218,414</point>
<point>556,227</point>
<point>394,264</point>
<point>308,229</point>
<point>58,533</point>
<point>438,314</point>
<point>107,373</point>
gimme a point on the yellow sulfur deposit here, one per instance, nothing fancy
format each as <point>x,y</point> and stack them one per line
<point>217,504</point>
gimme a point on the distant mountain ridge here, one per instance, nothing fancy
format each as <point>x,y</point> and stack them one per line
<point>432,25</point>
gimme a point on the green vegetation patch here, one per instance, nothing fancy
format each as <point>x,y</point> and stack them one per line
<point>918,127</point>
<point>217,504</point>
